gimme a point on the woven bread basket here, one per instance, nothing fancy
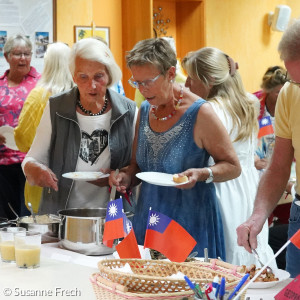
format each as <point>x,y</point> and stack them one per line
<point>154,276</point>
<point>111,291</point>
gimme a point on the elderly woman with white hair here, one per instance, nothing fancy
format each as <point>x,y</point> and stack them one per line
<point>89,128</point>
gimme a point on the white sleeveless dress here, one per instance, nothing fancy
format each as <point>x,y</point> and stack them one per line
<point>236,199</point>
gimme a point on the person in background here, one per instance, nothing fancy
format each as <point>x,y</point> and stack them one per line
<point>56,78</point>
<point>15,85</point>
<point>88,128</point>
<point>272,82</point>
<point>176,132</point>
<point>213,75</point>
<point>287,146</point>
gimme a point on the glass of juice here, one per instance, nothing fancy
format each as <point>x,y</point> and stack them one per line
<point>7,246</point>
<point>28,249</point>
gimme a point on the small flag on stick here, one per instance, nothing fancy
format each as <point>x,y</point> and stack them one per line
<point>295,239</point>
<point>113,227</point>
<point>128,248</point>
<point>265,126</point>
<point>168,237</point>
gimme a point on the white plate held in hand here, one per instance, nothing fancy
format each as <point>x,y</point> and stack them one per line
<point>8,133</point>
<point>85,176</point>
<point>158,178</point>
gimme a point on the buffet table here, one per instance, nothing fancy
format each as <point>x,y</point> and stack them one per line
<point>65,274</point>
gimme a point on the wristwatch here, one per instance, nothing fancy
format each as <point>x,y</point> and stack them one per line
<point>210,177</point>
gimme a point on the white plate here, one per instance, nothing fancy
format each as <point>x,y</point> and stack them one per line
<point>280,274</point>
<point>8,133</point>
<point>158,178</point>
<point>85,176</point>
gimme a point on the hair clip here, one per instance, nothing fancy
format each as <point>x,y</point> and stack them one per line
<point>233,66</point>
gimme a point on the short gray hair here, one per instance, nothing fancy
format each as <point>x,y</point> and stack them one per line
<point>16,40</point>
<point>95,50</point>
<point>289,46</point>
<point>155,51</point>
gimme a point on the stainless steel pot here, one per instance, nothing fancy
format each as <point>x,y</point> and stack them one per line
<point>47,225</point>
<point>81,230</point>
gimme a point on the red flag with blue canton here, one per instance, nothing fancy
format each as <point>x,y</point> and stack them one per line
<point>128,247</point>
<point>265,126</point>
<point>295,239</point>
<point>113,227</point>
<point>168,237</point>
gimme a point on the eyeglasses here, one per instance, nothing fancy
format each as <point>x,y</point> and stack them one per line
<point>290,80</point>
<point>146,83</point>
<point>19,55</point>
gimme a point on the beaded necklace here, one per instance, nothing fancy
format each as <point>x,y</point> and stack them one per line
<point>154,108</point>
<point>88,112</point>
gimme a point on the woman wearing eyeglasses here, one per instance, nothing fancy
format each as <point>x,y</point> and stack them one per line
<point>176,132</point>
<point>15,85</point>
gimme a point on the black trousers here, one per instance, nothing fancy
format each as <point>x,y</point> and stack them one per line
<point>12,181</point>
<point>278,236</point>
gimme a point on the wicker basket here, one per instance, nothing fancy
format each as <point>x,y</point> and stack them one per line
<point>153,276</point>
<point>114,291</point>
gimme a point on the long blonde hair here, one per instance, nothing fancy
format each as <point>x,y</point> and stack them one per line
<point>217,70</point>
<point>56,76</point>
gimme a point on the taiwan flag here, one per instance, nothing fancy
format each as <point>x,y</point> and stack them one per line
<point>168,237</point>
<point>295,239</point>
<point>128,247</point>
<point>265,126</point>
<point>113,227</point>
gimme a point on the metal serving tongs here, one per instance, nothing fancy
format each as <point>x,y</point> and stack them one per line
<point>113,188</point>
<point>269,270</point>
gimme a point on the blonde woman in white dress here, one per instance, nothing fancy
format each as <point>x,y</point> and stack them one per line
<point>214,76</point>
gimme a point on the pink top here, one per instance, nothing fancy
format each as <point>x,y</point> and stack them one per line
<point>11,103</point>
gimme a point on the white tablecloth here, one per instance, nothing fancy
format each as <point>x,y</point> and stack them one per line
<point>65,274</point>
<point>52,280</point>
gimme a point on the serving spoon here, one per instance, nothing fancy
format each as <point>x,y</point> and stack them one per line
<point>269,270</point>
<point>32,213</point>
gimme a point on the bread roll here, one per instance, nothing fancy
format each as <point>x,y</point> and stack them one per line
<point>180,179</point>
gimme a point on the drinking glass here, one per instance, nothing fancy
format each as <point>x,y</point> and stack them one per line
<point>7,246</point>
<point>28,249</point>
